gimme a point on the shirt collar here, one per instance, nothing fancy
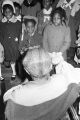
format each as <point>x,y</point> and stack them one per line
<point>47,11</point>
<point>13,19</point>
<point>18,17</point>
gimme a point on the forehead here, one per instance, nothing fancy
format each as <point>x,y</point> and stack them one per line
<point>30,23</point>
<point>56,15</point>
<point>8,9</point>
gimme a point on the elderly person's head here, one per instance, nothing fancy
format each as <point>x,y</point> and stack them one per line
<point>37,62</point>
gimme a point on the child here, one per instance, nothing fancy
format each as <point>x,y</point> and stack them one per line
<point>31,7</point>
<point>44,15</point>
<point>10,29</point>
<point>45,98</point>
<point>17,11</point>
<point>56,36</point>
<point>30,37</point>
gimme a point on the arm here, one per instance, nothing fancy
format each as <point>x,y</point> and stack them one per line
<point>23,43</point>
<point>67,41</point>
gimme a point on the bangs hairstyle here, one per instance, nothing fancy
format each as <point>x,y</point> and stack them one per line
<point>26,21</point>
<point>7,6</point>
<point>17,5</point>
<point>61,12</point>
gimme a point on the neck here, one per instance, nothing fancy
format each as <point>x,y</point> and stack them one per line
<point>41,79</point>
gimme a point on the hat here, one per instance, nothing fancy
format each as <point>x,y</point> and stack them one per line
<point>8,2</point>
<point>28,17</point>
<point>37,62</point>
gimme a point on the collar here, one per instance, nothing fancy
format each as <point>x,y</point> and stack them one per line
<point>13,19</point>
<point>47,11</point>
<point>18,17</point>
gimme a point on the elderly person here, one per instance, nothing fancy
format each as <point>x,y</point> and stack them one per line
<point>47,97</point>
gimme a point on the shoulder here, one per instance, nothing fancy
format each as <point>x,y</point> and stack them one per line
<point>49,26</point>
<point>66,28</point>
<point>2,25</point>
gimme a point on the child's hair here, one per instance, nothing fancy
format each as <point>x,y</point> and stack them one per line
<point>7,6</point>
<point>61,12</point>
<point>17,5</point>
<point>29,20</point>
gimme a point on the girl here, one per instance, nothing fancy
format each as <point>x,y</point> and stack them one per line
<point>30,37</point>
<point>9,34</point>
<point>56,36</point>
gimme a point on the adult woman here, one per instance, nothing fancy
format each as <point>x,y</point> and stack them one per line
<point>45,98</point>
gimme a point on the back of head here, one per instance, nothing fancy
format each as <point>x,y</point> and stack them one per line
<point>37,62</point>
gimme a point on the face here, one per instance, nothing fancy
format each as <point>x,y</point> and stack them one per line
<point>30,27</point>
<point>56,19</point>
<point>46,4</point>
<point>8,13</point>
<point>17,11</point>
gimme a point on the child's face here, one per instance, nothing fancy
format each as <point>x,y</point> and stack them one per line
<point>30,27</point>
<point>56,19</point>
<point>17,11</point>
<point>8,13</point>
<point>47,4</point>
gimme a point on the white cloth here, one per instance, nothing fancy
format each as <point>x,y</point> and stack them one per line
<point>64,4</point>
<point>47,14</point>
<point>13,19</point>
<point>76,59</point>
<point>19,18</point>
<point>1,53</point>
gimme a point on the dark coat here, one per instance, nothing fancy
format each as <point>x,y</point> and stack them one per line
<point>9,37</point>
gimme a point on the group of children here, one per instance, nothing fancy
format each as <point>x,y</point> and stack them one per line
<point>19,33</point>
